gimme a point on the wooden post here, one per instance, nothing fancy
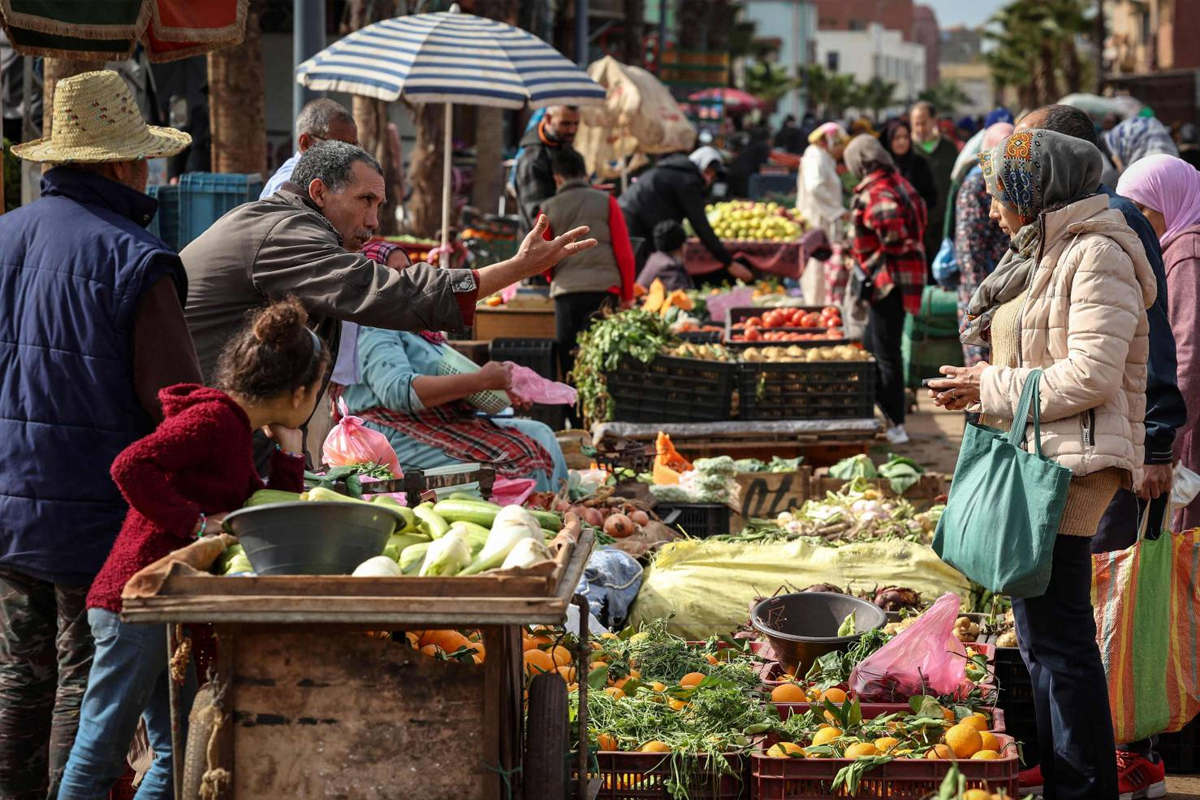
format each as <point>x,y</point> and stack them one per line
<point>237,103</point>
<point>53,71</point>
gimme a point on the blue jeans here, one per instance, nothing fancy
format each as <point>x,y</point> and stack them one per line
<point>128,680</point>
<point>1057,634</point>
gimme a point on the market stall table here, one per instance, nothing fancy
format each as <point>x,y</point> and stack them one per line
<point>821,442</point>
<point>311,706</point>
<point>523,317</point>
<point>785,259</point>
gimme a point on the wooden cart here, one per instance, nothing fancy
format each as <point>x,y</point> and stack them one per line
<point>312,706</point>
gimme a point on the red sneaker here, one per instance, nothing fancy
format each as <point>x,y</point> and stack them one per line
<point>1138,777</point>
<point>1031,782</point>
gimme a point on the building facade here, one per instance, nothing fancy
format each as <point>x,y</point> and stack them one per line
<point>793,25</point>
<point>875,52</point>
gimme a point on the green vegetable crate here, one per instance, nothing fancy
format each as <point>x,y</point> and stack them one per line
<point>651,776</point>
<point>670,389</point>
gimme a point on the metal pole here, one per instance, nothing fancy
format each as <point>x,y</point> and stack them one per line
<point>662,35</point>
<point>447,194</point>
<point>1100,34</point>
<point>178,719</point>
<point>308,39</point>
<point>581,32</point>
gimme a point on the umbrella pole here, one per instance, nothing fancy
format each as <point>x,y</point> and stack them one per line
<point>447,197</point>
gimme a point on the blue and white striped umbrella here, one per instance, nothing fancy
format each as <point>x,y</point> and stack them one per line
<point>450,57</point>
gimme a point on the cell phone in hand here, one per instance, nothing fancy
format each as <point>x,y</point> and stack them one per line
<point>927,383</point>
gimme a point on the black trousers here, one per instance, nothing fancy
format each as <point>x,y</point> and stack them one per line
<point>573,313</point>
<point>885,330</point>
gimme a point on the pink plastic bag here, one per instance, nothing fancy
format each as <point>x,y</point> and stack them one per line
<point>924,659</point>
<point>512,491</point>
<point>528,385</point>
<point>351,442</point>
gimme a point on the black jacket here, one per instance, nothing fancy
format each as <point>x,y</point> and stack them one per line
<point>535,178</point>
<point>673,189</point>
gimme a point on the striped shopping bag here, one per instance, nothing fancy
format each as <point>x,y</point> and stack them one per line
<point>1147,606</point>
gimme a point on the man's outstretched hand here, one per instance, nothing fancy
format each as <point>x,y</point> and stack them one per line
<point>537,254</point>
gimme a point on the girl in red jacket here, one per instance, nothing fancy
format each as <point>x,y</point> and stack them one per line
<point>180,482</point>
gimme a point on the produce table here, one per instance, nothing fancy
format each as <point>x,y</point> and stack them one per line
<point>314,707</point>
<point>821,442</point>
<point>503,322</point>
<point>780,258</point>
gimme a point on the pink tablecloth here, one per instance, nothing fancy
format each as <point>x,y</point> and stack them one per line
<point>780,258</point>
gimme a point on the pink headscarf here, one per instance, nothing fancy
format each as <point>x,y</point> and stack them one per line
<point>831,133</point>
<point>995,134</point>
<point>1168,185</point>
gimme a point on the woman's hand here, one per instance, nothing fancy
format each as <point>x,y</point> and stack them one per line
<point>291,440</point>
<point>520,402</point>
<point>959,389</point>
<point>495,375</point>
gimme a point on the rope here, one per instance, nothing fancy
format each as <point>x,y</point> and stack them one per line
<point>181,656</point>
<point>216,780</point>
<point>504,775</point>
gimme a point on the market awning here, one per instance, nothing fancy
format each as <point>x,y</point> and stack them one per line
<point>110,30</point>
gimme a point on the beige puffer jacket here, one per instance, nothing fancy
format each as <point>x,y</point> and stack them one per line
<point>1084,324</point>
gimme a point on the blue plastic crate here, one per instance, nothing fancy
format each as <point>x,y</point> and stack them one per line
<point>165,224</point>
<point>204,197</point>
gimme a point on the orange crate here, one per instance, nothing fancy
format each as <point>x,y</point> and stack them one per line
<point>650,776</point>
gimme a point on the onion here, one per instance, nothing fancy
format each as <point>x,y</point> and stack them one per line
<point>618,526</point>
<point>640,518</point>
<point>593,517</point>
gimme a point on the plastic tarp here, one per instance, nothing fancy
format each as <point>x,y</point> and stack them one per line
<point>639,116</point>
<point>705,588</point>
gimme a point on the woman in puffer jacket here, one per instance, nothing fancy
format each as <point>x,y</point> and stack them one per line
<point>1069,298</point>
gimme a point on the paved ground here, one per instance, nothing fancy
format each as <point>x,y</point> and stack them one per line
<point>936,436</point>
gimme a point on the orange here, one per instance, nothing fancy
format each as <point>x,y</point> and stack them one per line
<point>614,693</point>
<point>478,659</point>
<point>948,714</point>
<point>607,742</point>
<point>562,656</point>
<point>989,742</point>
<point>787,693</point>
<point>825,736</point>
<point>633,673</point>
<point>833,695</point>
<point>414,640</point>
<point>448,640</point>
<point>977,721</point>
<point>976,794</point>
<point>538,661</point>
<point>658,687</point>
<point>785,750</point>
<point>711,658</point>
<point>676,705</point>
<point>886,743</point>
<point>655,746</point>
<point>964,740</point>
<point>567,673</point>
<point>534,642</point>
<point>691,679</point>
<point>940,752</point>
<point>861,750</point>
<point>985,755</point>
<point>431,650</point>
<point>621,683</point>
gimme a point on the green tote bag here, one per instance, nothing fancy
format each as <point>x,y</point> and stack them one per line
<point>1005,505</point>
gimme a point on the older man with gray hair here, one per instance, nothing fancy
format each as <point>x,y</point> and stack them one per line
<point>319,121</point>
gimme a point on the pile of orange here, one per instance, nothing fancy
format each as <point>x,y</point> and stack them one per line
<point>444,643</point>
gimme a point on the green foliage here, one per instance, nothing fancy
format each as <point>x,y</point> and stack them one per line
<point>1035,48</point>
<point>946,97</point>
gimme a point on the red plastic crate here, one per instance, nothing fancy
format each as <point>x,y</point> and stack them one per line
<point>872,710</point>
<point>646,776</point>
<point>903,779</point>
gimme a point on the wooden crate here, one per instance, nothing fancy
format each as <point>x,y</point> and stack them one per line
<point>767,494</point>
<point>505,323</point>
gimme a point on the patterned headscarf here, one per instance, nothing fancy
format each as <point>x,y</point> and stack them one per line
<point>865,155</point>
<point>1168,185</point>
<point>832,133</point>
<point>1138,137</point>
<point>1034,171</point>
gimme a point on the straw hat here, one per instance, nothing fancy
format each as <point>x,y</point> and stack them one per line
<point>97,121</point>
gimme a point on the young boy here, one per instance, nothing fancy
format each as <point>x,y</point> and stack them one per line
<point>602,277</point>
<point>666,262</point>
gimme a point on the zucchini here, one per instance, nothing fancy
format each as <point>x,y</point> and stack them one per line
<point>470,498</point>
<point>320,494</point>
<point>475,511</point>
<point>430,522</point>
<point>412,557</point>
<point>410,519</point>
<point>397,543</point>
<point>266,496</point>
<point>548,520</point>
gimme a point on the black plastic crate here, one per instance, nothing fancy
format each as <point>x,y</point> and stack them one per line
<point>537,354</point>
<point>807,390</point>
<point>1180,751</point>
<point>742,313</point>
<point>743,345</point>
<point>1016,700</point>
<point>698,520</point>
<point>702,337</point>
<point>555,416</point>
<point>670,389</point>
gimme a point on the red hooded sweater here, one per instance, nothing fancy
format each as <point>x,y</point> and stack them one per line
<point>200,459</point>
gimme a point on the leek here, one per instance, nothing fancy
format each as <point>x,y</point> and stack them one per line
<point>526,553</point>
<point>447,555</point>
<point>500,542</point>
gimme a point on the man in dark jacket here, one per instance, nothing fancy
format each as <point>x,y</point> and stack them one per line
<point>675,189</point>
<point>535,176</point>
<point>941,154</point>
<point>91,327</point>
<point>1140,769</point>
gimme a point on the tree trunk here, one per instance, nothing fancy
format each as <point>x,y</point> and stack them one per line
<point>55,70</point>
<point>237,103</point>
<point>425,171</point>
<point>632,38</point>
<point>371,115</point>
<point>489,122</point>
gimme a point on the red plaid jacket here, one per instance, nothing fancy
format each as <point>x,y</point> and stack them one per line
<point>889,229</point>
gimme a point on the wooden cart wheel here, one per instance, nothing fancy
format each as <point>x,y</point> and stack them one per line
<point>547,740</point>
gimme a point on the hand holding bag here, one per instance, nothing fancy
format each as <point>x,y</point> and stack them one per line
<point>1005,505</point>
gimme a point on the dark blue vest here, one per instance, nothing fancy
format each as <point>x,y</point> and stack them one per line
<point>73,266</point>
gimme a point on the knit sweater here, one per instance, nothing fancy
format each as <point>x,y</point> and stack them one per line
<point>199,460</point>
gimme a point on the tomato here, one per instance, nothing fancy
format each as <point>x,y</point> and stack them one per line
<point>811,320</point>
<point>836,333</point>
<point>795,315</point>
<point>831,310</point>
<point>753,335</point>
<point>755,321</point>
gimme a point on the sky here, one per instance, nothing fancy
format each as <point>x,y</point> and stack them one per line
<point>963,12</point>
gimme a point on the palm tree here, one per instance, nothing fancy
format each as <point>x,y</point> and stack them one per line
<point>876,95</point>
<point>768,81</point>
<point>1036,49</point>
<point>237,102</point>
<point>371,115</point>
<point>946,97</point>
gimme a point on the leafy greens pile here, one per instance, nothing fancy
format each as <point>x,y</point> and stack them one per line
<point>635,334</point>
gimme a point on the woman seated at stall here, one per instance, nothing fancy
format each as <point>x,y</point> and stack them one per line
<point>427,419</point>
